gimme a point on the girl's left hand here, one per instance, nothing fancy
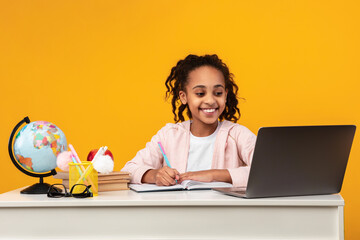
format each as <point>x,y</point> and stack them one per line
<point>201,176</point>
<point>213,175</point>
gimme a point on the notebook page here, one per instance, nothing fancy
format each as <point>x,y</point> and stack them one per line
<point>189,184</point>
<point>153,188</point>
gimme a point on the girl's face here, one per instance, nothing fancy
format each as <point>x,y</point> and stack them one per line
<point>205,95</point>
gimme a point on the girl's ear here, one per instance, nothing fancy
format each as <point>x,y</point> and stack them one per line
<point>182,96</point>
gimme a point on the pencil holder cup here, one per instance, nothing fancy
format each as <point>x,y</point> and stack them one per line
<point>78,174</point>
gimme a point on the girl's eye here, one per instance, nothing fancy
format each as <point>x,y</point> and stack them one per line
<point>200,94</point>
<point>218,93</point>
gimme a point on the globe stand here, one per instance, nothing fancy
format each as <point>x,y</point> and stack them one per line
<point>37,188</point>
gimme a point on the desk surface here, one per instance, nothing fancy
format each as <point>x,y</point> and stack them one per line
<point>204,214</point>
<point>168,198</point>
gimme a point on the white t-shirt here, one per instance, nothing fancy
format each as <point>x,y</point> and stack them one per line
<point>201,151</point>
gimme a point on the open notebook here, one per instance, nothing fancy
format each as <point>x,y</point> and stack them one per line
<point>185,185</point>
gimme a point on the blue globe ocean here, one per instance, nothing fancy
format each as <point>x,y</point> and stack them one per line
<point>37,145</point>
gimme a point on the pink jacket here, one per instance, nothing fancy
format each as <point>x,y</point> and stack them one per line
<point>233,150</point>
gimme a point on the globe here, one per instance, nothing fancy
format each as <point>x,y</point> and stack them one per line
<point>35,149</point>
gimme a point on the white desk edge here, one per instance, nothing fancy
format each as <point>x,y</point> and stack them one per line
<point>169,198</point>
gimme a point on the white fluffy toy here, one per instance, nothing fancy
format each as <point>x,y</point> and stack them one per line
<point>103,164</point>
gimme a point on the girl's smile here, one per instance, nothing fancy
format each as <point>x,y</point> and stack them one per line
<point>209,111</point>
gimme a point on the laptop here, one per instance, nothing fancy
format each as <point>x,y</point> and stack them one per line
<point>297,161</point>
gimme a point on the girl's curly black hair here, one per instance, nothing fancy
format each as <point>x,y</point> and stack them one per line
<point>178,78</point>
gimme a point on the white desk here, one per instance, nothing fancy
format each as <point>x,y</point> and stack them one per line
<point>170,215</point>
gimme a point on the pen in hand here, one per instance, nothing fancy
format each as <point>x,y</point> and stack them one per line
<point>165,157</point>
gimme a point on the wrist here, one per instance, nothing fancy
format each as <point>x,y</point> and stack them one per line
<point>221,175</point>
<point>149,176</point>
<point>213,175</point>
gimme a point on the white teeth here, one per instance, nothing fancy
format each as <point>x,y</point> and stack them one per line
<point>209,110</point>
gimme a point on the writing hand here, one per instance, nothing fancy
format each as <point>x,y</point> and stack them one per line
<point>166,176</point>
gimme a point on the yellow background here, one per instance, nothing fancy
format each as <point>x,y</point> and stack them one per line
<point>97,69</point>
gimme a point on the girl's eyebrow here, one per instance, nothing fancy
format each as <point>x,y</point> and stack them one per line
<point>199,86</point>
<point>202,86</point>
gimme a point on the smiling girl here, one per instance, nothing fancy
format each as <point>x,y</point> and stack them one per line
<point>210,146</point>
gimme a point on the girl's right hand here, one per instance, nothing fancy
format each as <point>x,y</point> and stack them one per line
<point>166,176</point>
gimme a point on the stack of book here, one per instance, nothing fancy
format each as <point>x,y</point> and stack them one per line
<point>113,181</point>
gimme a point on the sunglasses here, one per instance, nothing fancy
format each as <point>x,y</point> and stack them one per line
<point>77,191</point>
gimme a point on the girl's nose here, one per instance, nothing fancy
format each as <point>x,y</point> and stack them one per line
<point>210,99</point>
